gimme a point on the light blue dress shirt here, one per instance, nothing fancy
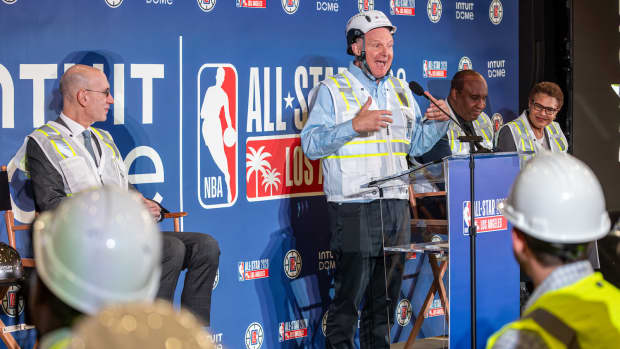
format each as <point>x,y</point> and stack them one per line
<point>321,136</point>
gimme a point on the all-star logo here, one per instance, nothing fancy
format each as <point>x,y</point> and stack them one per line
<point>434,10</point>
<point>252,3</point>
<point>13,302</point>
<point>292,264</point>
<point>254,336</point>
<point>111,3</point>
<point>496,12</point>
<point>365,5</point>
<point>290,6</point>
<point>465,63</point>
<point>206,5</point>
<point>403,312</point>
<point>10,2</point>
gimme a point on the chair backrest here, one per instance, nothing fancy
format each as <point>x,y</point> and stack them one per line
<point>9,218</point>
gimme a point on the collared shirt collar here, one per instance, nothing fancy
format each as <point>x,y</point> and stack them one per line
<point>75,128</point>
<point>359,75</point>
<point>561,277</point>
<point>456,116</point>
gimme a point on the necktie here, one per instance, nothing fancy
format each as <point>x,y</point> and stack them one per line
<point>89,144</point>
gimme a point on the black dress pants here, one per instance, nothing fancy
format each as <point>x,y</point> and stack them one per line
<point>357,246</point>
<point>200,255</point>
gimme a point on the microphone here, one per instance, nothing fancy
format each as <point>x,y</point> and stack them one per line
<point>419,91</point>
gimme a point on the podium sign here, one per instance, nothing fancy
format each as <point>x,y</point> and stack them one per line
<point>497,272</point>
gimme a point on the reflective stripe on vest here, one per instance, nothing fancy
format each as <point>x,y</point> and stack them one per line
<point>482,126</point>
<point>58,141</point>
<point>107,141</point>
<point>523,136</point>
<point>370,155</point>
<point>584,314</point>
<point>555,327</point>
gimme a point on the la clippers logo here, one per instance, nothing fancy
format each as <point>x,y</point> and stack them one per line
<point>434,10</point>
<point>13,302</point>
<point>365,5</point>
<point>465,63</point>
<point>254,336</point>
<point>402,7</point>
<point>292,264</point>
<point>497,121</point>
<point>403,312</point>
<point>111,3</point>
<point>217,143</point>
<point>252,3</point>
<point>488,217</point>
<point>206,5</point>
<point>276,167</point>
<point>496,12</point>
<point>290,6</point>
<point>10,2</point>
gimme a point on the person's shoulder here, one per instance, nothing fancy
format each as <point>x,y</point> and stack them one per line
<point>519,339</point>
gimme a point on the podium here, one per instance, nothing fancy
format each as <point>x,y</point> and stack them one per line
<point>436,294</point>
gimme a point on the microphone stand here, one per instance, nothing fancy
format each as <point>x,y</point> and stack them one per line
<point>472,231</point>
<point>474,148</point>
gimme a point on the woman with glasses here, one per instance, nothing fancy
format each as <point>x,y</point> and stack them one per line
<point>535,130</point>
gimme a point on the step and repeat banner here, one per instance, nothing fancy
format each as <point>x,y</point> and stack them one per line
<point>209,99</point>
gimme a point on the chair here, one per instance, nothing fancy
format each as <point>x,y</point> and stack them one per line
<point>9,218</point>
<point>439,266</point>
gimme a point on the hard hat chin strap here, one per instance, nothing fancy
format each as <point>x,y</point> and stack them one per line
<point>364,64</point>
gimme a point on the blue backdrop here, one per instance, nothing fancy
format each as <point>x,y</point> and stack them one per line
<point>256,194</point>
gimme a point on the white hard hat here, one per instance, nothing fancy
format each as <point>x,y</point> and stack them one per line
<point>99,247</point>
<point>556,198</point>
<point>364,22</point>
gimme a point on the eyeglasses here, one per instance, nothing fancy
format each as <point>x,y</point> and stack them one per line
<point>541,108</point>
<point>106,92</point>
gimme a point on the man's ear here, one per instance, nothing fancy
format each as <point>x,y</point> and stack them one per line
<point>356,47</point>
<point>81,97</point>
<point>518,242</point>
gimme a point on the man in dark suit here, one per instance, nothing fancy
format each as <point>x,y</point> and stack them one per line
<point>68,155</point>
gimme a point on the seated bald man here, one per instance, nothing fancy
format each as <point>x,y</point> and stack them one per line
<point>68,155</point>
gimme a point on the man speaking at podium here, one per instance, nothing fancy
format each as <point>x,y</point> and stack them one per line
<point>363,124</point>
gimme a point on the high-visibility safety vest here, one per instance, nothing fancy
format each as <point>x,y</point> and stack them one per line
<point>524,136</point>
<point>75,164</point>
<point>482,126</point>
<point>371,155</point>
<point>585,314</point>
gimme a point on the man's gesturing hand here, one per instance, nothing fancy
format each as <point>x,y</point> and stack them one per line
<point>370,120</point>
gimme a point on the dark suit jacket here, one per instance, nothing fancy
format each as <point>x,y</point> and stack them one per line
<point>47,184</point>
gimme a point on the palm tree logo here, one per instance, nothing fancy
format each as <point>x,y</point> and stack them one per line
<point>255,162</point>
<point>271,179</point>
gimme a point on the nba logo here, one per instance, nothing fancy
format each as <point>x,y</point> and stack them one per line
<point>281,332</point>
<point>217,137</point>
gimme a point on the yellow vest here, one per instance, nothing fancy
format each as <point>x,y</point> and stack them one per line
<point>585,314</point>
